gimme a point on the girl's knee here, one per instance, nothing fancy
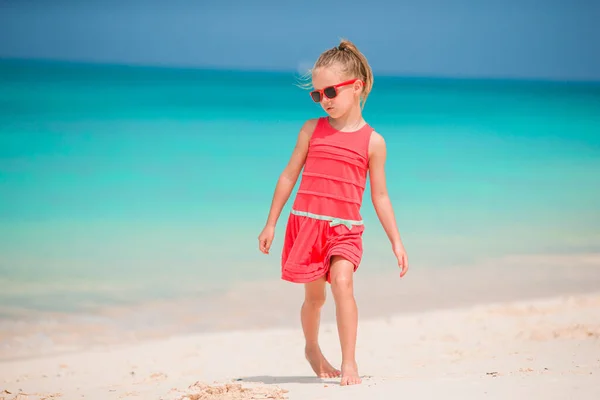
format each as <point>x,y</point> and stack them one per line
<point>341,284</point>
<point>342,272</point>
<point>314,294</point>
<point>314,301</point>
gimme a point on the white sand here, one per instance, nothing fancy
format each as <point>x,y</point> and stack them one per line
<point>542,349</point>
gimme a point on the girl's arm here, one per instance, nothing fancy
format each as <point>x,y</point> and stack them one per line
<point>288,178</point>
<point>285,184</point>
<point>381,200</point>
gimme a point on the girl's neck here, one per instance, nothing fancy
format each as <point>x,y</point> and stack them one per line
<point>351,121</point>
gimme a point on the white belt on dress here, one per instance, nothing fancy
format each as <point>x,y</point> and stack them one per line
<point>333,221</point>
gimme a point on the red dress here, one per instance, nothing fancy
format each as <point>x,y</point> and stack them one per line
<point>325,219</point>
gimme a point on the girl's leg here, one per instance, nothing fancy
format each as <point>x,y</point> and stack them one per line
<point>342,283</point>
<point>314,298</point>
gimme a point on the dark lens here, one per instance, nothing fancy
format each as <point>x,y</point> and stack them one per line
<point>330,92</point>
<point>316,96</point>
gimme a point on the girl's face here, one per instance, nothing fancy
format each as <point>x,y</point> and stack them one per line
<point>345,97</point>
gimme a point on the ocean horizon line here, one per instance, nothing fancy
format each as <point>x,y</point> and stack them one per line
<point>289,72</point>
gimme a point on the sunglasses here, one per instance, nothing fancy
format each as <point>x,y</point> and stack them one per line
<point>330,91</point>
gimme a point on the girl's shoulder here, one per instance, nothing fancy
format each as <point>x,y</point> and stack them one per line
<point>309,127</point>
<point>377,145</point>
<point>311,124</point>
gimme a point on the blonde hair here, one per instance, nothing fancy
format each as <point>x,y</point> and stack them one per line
<point>352,63</point>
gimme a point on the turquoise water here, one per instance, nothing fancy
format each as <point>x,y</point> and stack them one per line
<point>129,183</point>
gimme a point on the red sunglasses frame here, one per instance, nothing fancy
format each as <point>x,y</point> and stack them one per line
<point>321,92</point>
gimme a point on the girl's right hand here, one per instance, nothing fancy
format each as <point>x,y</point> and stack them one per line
<point>266,238</point>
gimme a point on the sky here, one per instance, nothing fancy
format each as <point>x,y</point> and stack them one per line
<point>527,39</point>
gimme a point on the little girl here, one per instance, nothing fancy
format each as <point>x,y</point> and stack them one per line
<point>323,238</point>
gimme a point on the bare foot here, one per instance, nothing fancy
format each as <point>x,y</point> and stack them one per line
<point>320,365</point>
<point>350,374</point>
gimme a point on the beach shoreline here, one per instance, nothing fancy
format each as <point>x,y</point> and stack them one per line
<point>508,330</point>
<point>259,305</point>
<point>546,348</point>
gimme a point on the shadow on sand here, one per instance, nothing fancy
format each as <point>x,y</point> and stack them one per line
<point>272,380</point>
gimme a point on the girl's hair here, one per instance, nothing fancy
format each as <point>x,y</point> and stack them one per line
<point>352,62</point>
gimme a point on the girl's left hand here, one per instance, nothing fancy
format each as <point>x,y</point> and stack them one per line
<point>402,257</point>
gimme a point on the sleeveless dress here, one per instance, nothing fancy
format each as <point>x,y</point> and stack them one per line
<point>325,219</point>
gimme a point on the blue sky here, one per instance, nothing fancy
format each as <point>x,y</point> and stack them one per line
<point>551,39</point>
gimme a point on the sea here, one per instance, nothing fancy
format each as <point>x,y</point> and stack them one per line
<point>129,184</point>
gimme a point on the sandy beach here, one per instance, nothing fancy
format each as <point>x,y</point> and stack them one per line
<point>528,333</point>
